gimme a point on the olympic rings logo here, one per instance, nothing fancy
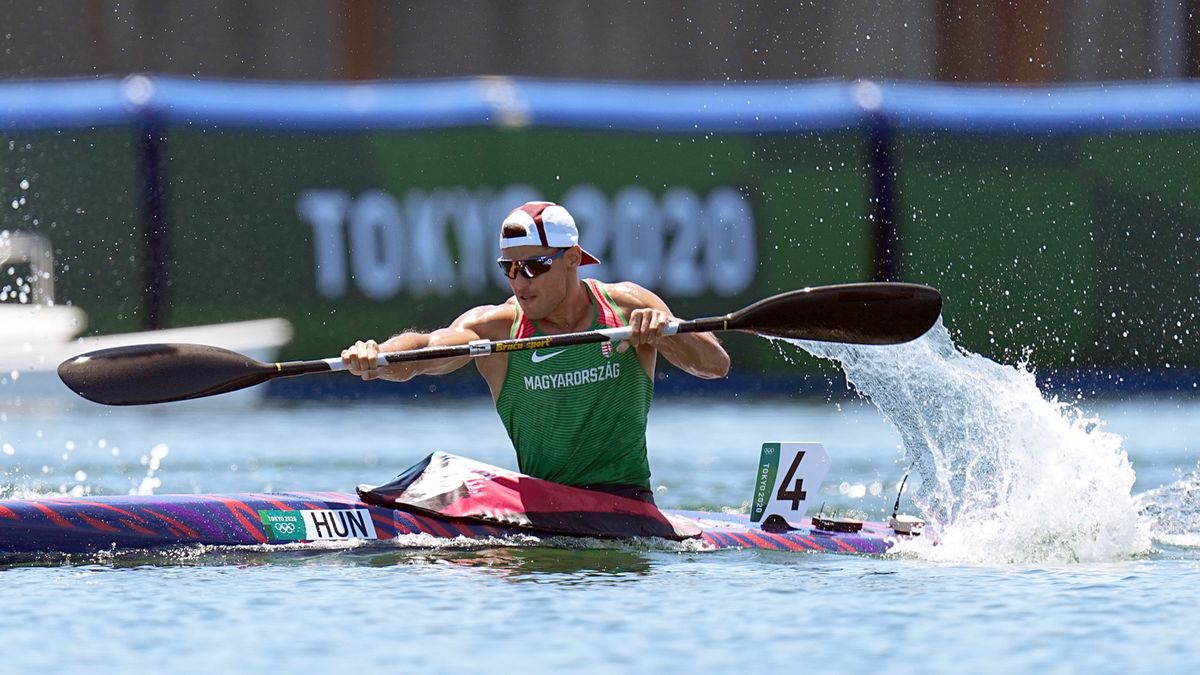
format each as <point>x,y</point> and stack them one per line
<point>284,528</point>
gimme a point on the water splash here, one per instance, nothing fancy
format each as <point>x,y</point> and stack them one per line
<point>17,483</point>
<point>1172,512</point>
<point>153,462</point>
<point>1006,474</point>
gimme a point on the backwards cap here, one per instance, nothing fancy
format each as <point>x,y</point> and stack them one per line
<point>542,224</point>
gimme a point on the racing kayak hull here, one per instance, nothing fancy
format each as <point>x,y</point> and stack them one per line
<point>30,528</point>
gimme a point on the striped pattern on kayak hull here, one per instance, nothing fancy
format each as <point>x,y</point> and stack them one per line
<point>29,527</point>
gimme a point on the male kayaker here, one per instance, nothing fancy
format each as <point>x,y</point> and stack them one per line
<point>576,415</point>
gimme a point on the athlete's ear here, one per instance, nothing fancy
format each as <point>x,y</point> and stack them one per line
<point>573,256</point>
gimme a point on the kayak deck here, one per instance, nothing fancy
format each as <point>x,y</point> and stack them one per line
<point>29,527</point>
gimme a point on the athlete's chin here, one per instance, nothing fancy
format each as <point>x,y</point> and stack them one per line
<point>531,307</point>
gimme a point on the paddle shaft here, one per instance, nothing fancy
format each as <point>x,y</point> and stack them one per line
<point>869,314</point>
<point>478,348</point>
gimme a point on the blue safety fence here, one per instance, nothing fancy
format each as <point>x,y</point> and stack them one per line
<point>502,101</point>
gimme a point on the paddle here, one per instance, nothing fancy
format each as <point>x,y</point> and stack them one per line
<point>873,313</point>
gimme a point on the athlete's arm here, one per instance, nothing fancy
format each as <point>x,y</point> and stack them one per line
<point>488,322</point>
<point>700,354</point>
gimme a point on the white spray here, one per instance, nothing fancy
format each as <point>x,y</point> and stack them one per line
<point>1005,474</point>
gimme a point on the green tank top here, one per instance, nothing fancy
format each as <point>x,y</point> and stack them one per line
<point>577,415</point>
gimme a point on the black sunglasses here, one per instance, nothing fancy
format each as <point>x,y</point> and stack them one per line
<point>530,267</point>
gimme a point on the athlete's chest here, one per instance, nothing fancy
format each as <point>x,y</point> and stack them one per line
<point>551,359</point>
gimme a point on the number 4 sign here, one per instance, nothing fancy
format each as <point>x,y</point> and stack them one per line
<point>788,474</point>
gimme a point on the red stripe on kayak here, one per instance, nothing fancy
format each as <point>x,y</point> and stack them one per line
<point>52,515</point>
<point>816,543</point>
<point>725,540</point>
<point>404,521</point>
<point>101,505</point>
<point>799,542</point>
<point>177,527</point>
<point>282,506</point>
<point>9,513</point>
<point>386,527</point>
<point>757,541</point>
<point>845,546</point>
<point>754,542</point>
<point>777,542</point>
<point>792,543</point>
<point>475,529</point>
<point>459,529</point>
<point>834,544</point>
<point>430,526</point>
<point>739,541</point>
<point>250,528</point>
<point>130,525</point>
<point>98,524</point>
<point>240,506</point>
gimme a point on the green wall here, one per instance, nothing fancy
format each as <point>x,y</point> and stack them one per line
<point>245,246</point>
<point>82,193</point>
<point>1070,250</point>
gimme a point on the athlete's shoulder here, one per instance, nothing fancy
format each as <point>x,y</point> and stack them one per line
<point>491,322</point>
<point>630,296</point>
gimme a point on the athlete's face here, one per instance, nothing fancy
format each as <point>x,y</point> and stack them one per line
<point>554,271</point>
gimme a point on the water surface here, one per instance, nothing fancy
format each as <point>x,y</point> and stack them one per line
<point>588,609</point>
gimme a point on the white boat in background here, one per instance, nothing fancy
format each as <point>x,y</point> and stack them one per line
<point>36,335</point>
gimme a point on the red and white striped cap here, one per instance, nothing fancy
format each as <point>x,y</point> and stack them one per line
<point>542,224</point>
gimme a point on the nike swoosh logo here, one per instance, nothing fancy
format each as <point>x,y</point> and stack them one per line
<point>538,358</point>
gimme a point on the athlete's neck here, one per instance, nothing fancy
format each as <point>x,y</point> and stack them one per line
<point>572,315</point>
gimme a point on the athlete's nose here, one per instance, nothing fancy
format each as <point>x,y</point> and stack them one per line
<point>521,282</point>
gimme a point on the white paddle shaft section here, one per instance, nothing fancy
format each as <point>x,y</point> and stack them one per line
<point>479,348</point>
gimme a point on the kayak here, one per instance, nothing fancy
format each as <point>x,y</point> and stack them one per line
<point>445,498</point>
<point>30,528</point>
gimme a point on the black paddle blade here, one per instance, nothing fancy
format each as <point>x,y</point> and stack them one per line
<point>867,314</point>
<point>158,373</point>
